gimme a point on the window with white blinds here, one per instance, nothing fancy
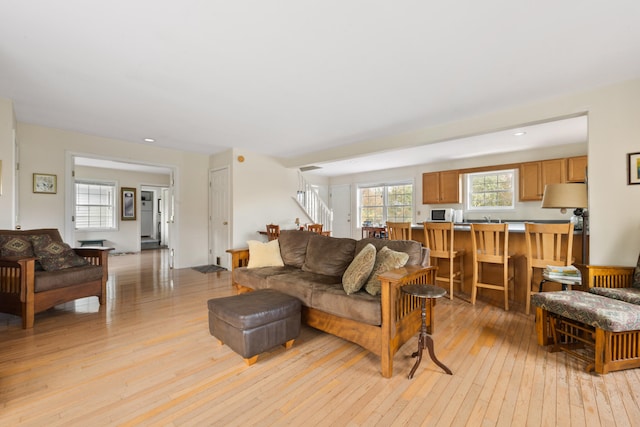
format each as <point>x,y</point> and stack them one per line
<point>95,205</point>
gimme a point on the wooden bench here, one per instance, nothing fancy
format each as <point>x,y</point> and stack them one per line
<point>92,242</point>
<point>601,331</point>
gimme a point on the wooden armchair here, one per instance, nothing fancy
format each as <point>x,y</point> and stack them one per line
<point>594,276</point>
<point>25,290</point>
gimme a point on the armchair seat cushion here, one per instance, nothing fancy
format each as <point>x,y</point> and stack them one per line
<point>47,280</point>
<point>595,310</point>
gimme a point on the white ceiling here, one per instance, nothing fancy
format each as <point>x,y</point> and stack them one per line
<point>291,77</point>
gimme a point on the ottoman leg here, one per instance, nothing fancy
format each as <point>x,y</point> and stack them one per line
<point>288,344</point>
<point>250,361</point>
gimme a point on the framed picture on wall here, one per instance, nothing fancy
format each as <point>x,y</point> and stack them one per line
<point>128,204</point>
<point>633,168</point>
<point>45,183</point>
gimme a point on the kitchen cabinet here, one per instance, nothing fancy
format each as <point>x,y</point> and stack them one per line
<point>577,169</point>
<point>441,187</point>
<point>535,175</point>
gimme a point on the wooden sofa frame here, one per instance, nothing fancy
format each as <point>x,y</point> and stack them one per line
<point>17,284</point>
<point>400,313</point>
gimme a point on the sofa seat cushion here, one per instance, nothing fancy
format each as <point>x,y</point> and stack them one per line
<point>301,284</point>
<point>329,256</point>
<point>630,295</point>
<point>591,309</point>
<point>411,247</point>
<point>256,278</point>
<point>47,280</point>
<point>359,306</point>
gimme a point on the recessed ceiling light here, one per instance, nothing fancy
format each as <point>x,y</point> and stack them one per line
<point>149,140</point>
<point>520,133</point>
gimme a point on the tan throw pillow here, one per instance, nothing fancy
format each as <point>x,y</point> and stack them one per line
<point>359,270</point>
<point>264,254</point>
<point>386,260</point>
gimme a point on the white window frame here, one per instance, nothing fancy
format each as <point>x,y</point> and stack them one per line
<point>469,191</point>
<point>114,203</point>
<point>385,204</point>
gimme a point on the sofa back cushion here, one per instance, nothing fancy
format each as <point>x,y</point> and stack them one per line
<point>328,255</point>
<point>410,247</point>
<point>293,246</point>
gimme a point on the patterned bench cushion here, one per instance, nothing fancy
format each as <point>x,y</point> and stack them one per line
<point>595,310</point>
<point>630,295</point>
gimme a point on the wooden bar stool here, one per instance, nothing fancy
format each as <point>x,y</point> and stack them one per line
<point>490,246</point>
<point>438,238</point>
<point>399,230</point>
<point>547,244</point>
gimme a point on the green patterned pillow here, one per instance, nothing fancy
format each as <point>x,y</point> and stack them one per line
<point>356,275</point>
<point>55,255</point>
<point>386,260</point>
<point>18,246</point>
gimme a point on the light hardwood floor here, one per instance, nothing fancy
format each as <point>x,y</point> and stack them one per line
<point>147,358</point>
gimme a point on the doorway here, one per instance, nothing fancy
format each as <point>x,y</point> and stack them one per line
<point>154,186</point>
<point>219,214</point>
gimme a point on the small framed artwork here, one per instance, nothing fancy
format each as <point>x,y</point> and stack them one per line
<point>45,183</point>
<point>128,204</point>
<point>633,168</point>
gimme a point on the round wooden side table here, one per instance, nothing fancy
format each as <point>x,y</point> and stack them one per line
<point>425,293</point>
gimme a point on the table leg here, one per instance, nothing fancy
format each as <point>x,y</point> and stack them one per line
<point>425,341</point>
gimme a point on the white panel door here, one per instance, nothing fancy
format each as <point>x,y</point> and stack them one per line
<point>219,218</point>
<point>340,203</point>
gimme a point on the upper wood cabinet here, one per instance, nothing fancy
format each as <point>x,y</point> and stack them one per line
<point>535,175</point>
<point>577,169</point>
<point>441,187</point>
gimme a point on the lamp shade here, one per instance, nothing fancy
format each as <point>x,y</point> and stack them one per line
<point>565,196</point>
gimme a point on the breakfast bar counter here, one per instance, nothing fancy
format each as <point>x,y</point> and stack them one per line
<point>517,250</point>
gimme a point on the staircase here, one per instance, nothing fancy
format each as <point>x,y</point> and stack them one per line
<point>310,201</point>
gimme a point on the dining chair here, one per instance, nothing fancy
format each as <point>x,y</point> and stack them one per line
<point>273,231</point>
<point>547,244</point>
<point>399,230</point>
<point>438,237</point>
<point>316,228</point>
<point>490,244</point>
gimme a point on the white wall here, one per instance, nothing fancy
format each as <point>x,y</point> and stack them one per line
<point>7,126</point>
<point>262,193</point>
<point>127,236</point>
<point>44,150</point>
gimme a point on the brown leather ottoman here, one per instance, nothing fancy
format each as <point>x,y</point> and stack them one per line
<point>254,322</point>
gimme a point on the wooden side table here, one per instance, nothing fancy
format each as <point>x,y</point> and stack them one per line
<point>430,293</point>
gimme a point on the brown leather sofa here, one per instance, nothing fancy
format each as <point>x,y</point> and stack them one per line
<point>27,288</point>
<point>312,272</point>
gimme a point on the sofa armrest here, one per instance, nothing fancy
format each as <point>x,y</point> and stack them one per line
<point>239,257</point>
<point>607,276</point>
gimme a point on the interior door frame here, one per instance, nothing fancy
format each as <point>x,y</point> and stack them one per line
<point>69,193</point>
<point>224,260</point>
